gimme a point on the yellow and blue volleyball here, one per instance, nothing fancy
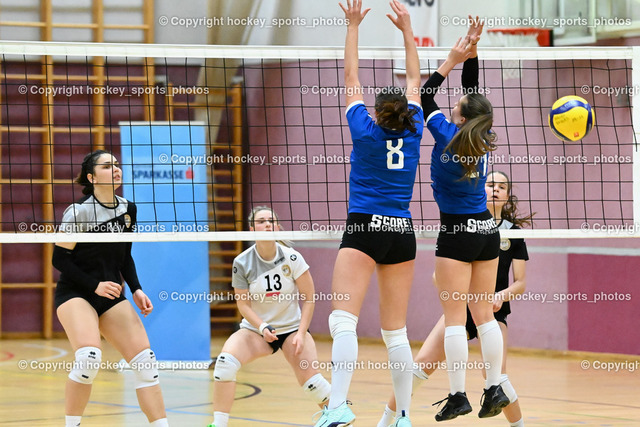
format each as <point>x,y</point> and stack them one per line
<point>571,118</point>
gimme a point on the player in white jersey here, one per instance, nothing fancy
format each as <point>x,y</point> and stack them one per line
<point>270,280</point>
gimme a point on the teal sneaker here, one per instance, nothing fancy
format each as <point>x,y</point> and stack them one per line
<point>339,417</point>
<point>402,421</point>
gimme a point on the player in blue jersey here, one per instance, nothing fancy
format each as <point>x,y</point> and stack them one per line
<point>269,281</point>
<point>503,205</point>
<point>379,235</point>
<point>90,297</point>
<point>468,243</point>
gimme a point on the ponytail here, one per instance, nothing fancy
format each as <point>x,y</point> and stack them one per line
<point>392,110</point>
<point>475,137</point>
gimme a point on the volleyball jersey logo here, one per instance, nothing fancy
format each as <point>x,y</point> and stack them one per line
<point>505,244</point>
<point>286,270</point>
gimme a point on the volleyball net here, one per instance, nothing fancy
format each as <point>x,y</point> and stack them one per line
<point>205,133</point>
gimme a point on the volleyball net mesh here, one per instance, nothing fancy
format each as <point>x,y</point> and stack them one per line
<point>203,134</point>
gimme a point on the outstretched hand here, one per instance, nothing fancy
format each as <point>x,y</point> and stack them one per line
<point>353,12</point>
<point>461,51</point>
<point>475,29</point>
<point>403,20</point>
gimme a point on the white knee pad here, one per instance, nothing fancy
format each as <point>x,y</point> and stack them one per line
<point>342,322</point>
<point>86,365</point>
<point>226,367</point>
<point>395,339</point>
<point>145,368</point>
<point>508,389</point>
<point>318,388</point>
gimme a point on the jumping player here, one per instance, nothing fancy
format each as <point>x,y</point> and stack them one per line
<point>269,280</point>
<point>513,252</point>
<point>89,297</point>
<point>383,168</point>
<point>468,243</point>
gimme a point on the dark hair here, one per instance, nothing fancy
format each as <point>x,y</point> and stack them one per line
<point>392,110</point>
<point>88,167</point>
<point>475,137</point>
<point>510,208</point>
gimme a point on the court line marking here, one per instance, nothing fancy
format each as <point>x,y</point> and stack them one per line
<point>60,353</point>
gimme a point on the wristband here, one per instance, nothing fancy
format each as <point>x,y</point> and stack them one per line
<point>264,325</point>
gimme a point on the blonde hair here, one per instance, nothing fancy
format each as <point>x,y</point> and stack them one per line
<point>276,222</point>
<point>255,210</point>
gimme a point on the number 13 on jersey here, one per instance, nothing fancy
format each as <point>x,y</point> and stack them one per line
<point>395,157</point>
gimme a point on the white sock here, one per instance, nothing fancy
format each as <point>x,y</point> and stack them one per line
<point>344,354</point>
<point>387,418</point>
<point>220,419</point>
<point>72,420</point>
<point>162,422</point>
<point>490,338</point>
<point>419,376</point>
<point>401,363</point>
<point>456,349</point>
<point>519,423</point>
<point>508,389</point>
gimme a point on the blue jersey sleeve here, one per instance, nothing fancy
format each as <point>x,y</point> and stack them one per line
<point>361,124</point>
<point>441,129</point>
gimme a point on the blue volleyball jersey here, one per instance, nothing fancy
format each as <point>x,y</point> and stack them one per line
<point>383,163</point>
<point>454,194</point>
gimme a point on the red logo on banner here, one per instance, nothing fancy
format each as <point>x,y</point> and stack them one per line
<point>424,41</point>
<point>189,173</point>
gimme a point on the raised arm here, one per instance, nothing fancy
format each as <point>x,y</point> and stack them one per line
<point>403,22</point>
<point>354,15</point>
<point>458,54</point>
<point>470,69</point>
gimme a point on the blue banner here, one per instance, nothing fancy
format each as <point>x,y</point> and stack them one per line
<point>169,188</point>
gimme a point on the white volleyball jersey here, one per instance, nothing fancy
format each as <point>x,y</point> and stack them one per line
<point>272,288</point>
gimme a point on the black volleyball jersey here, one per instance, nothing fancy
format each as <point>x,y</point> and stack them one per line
<point>510,249</point>
<point>102,261</point>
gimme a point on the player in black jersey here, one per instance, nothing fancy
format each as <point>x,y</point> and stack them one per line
<point>90,298</point>
<point>513,254</point>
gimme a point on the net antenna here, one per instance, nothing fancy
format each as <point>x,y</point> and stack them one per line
<point>518,37</point>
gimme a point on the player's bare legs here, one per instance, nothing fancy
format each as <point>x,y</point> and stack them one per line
<point>80,323</point>
<point>122,327</point>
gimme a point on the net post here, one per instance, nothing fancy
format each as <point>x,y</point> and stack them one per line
<point>635,103</point>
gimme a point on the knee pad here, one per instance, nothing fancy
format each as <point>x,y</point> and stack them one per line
<point>226,367</point>
<point>342,322</point>
<point>318,388</point>
<point>145,368</point>
<point>86,365</point>
<point>395,339</point>
<point>508,389</point>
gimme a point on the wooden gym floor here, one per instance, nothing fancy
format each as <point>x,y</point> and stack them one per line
<point>553,390</point>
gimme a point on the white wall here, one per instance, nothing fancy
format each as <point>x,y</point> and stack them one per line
<point>302,15</point>
<point>376,30</point>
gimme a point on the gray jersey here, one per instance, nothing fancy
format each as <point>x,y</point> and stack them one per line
<point>89,215</point>
<point>272,288</point>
